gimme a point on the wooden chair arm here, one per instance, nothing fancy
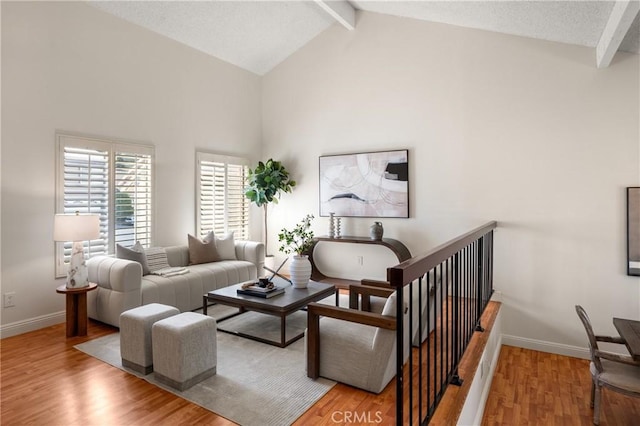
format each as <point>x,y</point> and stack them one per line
<point>616,357</point>
<point>375,283</point>
<point>351,315</point>
<point>317,310</point>
<point>610,339</point>
<point>356,292</point>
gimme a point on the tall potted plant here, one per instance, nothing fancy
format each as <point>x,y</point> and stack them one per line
<point>265,184</point>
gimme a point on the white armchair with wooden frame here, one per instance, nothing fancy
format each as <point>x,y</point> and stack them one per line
<point>353,346</point>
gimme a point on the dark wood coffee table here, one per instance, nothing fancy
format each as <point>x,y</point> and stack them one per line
<point>282,305</point>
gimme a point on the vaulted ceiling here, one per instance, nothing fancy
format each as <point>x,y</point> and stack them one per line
<point>258,35</point>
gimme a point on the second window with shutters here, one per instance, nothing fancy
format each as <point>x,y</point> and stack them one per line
<point>221,204</point>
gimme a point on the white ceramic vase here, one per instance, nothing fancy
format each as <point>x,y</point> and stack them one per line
<point>300,271</point>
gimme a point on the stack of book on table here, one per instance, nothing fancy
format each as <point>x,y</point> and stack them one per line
<point>264,292</point>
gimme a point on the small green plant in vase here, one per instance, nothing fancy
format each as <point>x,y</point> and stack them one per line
<point>298,241</point>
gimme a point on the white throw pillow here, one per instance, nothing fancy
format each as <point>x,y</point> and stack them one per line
<point>157,258</point>
<point>135,253</point>
<point>226,247</point>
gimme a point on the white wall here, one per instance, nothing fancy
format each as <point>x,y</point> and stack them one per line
<point>529,133</point>
<point>68,66</point>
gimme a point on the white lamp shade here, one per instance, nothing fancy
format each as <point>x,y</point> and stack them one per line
<point>76,227</point>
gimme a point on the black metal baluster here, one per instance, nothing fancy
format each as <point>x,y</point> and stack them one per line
<point>410,335</point>
<point>480,285</point>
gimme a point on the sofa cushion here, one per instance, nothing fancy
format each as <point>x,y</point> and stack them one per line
<point>135,253</point>
<point>185,291</point>
<point>202,251</point>
<point>226,247</point>
<point>178,255</point>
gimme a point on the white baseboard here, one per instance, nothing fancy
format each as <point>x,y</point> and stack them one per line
<point>549,347</point>
<point>31,324</point>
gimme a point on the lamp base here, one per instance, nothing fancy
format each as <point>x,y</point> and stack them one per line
<point>77,275</point>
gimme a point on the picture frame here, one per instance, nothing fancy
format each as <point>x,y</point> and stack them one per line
<point>633,231</point>
<point>366,184</point>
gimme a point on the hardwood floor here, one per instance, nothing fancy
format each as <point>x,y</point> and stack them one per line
<point>538,388</point>
<point>45,381</point>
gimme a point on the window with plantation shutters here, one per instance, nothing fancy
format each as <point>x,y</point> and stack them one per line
<point>221,204</point>
<point>132,201</point>
<point>108,178</point>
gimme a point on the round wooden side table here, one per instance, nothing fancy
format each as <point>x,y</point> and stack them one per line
<point>76,308</point>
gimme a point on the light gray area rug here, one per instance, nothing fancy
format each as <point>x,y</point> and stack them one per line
<point>264,326</point>
<point>255,384</point>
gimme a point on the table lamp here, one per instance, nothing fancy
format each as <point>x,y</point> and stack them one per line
<point>76,228</point>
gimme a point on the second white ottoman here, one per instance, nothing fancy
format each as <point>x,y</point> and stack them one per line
<point>135,334</point>
<point>184,349</point>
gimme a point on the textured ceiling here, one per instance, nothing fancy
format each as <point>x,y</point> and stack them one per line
<point>258,35</point>
<point>573,22</point>
<point>254,35</point>
<point>569,22</point>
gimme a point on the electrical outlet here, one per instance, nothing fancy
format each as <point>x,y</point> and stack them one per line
<point>360,260</point>
<point>9,300</point>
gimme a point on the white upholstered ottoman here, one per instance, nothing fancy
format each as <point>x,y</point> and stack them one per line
<point>184,349</point>
<point>135,335</point>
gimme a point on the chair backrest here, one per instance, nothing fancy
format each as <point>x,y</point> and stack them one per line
<point>383,366</point>
<point>385,340</point>
<point>593,343</point>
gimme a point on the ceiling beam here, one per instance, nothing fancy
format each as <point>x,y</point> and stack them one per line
<point>341,11</point>
<point>621,18</point>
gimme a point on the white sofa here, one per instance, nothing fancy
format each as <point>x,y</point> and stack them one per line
<point>121,285</point>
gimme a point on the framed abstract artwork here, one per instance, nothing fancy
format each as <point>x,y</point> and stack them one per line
<point>633,231</point>
<point>368,184</point>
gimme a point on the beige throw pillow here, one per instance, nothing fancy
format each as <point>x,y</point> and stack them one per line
<point>202,251</point>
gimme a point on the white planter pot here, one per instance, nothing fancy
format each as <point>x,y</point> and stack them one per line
<point>300,271</point>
